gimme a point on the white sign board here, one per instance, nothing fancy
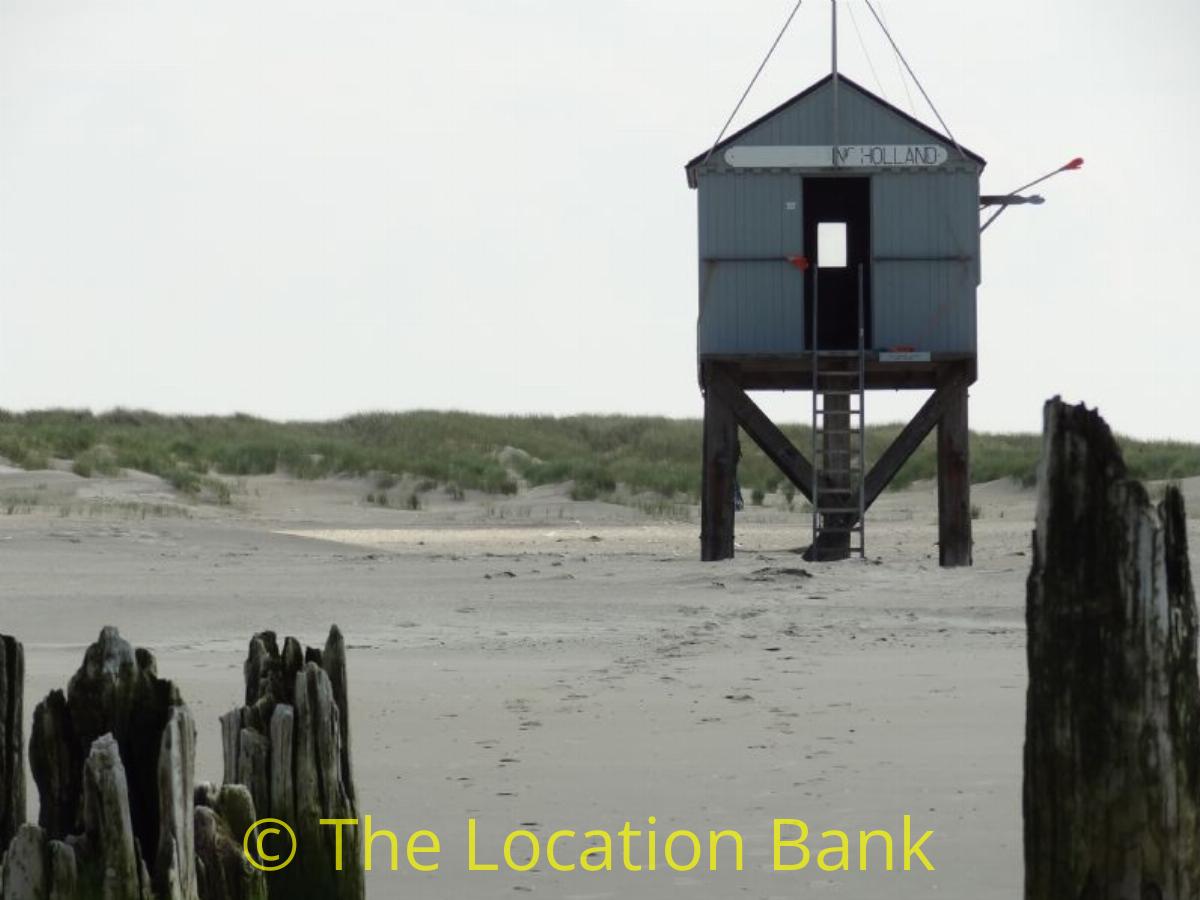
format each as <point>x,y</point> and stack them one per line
<point>848,156</point>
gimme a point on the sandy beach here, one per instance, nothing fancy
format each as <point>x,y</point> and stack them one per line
<point>533,662</point>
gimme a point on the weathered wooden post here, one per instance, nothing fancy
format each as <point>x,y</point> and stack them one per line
<point>1112,733</point>
<point>12,738</point>
<point>113,759</point>
<point>719,475</point>
<point>223,816</point>
<point>117,695</point>
<point>954,481</point>
<point>290,746</point>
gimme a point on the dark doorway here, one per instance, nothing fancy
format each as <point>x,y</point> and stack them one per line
<point>837,225</point>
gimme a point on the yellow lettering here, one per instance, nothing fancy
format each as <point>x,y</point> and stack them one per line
<point>911,849</point>
<point>435,846</point>
<point>671,861</point>
<point>550,857</point>
<point>797,843</point>
<point>534,850</point>
<point>472,865</point>
<point>369,839</point>
<point>604,851</point>
<point>714,838</point>
<point>626,834</point>
<point>651,853</point>
<point>841,849</point>
<point>264,833</point>
<point>337,843</point>
<point>864,840</point>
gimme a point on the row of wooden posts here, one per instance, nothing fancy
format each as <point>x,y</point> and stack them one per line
<point>121,816</point>
<point>1112,735</point>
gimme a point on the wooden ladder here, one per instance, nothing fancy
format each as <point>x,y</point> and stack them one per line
<point>839,444</point>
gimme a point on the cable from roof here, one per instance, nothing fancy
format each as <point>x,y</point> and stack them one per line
<point>750,86</point>
<point>916,80</point>
<point>866,53</point>
<point>899,68</point>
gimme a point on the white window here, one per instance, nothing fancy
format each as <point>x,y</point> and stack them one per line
<point>831,245</point>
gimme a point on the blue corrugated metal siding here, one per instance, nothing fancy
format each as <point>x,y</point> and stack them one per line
<point>751,306</point>
<point>758,307</point>
<point>920,300</point>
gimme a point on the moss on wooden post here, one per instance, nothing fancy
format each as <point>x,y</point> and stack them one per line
<point>290,746</point>
<point>223,815</point>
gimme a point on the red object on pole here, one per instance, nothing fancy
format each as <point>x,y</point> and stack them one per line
<point>800,262</point>
<point>1076,163</point>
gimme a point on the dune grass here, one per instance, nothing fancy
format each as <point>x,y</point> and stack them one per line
<point>462,451</point>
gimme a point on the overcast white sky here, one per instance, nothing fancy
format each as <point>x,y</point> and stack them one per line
<point>304,210</point>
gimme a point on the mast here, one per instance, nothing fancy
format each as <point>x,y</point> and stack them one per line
<point>834,66</point>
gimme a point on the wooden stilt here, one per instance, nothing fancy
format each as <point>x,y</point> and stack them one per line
<point>720,468</point>
<point>727,405</point>
<point>954,481</point>
<point>770,439</point>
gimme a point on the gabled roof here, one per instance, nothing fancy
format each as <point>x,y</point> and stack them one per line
<point>843,81</point>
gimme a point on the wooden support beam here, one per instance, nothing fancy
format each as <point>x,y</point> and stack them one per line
<point>770,439</point>
<point>910,438</point>
<point>720,469</point>
<point>727,405</point>
<point>794,372</point>
<point>954,480</point>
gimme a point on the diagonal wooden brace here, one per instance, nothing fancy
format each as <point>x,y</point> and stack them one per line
<point>946,408</point>
<point>909,439</point>
<point>770,439</point>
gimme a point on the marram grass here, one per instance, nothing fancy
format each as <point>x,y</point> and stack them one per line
<point>641,454</point>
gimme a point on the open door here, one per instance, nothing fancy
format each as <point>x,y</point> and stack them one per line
<point>837,239</point>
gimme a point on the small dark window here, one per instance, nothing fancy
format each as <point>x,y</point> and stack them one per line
<point>831,245</point>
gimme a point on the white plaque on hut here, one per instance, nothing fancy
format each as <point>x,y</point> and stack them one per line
<point>847,156</point>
